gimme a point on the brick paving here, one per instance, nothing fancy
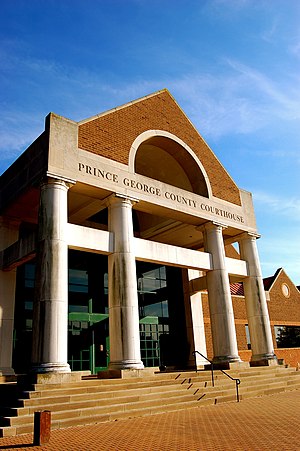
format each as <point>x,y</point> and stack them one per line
<point>265,423</point>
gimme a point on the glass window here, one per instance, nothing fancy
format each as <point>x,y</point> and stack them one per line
<point>105,277</point>
<point>29,275</point>
<point>287,336</point>
<point>78,281</point>
<point>152,293</point>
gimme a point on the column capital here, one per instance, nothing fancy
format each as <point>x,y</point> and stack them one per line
<point>118,198</point>
<point>55,179</point>
<point>248,236</point>
<point>212,225</point>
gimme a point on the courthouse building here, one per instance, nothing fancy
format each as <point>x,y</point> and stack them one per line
<point>123,240</point>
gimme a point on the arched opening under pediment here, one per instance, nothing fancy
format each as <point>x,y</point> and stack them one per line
<point>166,158</point>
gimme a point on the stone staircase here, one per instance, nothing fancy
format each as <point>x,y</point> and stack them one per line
<point>93,400</point>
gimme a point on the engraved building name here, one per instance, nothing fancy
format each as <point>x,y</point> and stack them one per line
<point>153,190</point>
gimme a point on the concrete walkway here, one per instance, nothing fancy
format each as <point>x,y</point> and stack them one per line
<point>266,423</point>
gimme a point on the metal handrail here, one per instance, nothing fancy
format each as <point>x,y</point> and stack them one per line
<point>237,381</point>
<point>211,367</point>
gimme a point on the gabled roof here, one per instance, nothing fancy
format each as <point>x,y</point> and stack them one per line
<point>269,281</point>
<point>237,289</point>
<point>112,134</point>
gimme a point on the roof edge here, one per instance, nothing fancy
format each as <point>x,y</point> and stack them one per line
<point>164,90</point>
<point>275,277</point>
<point>125,105</point>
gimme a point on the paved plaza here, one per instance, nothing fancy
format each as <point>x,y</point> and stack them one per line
<point>265,423</point>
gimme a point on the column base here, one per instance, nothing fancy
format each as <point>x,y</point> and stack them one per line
<point>239,365</point>
<point>126,374</point>
<point>43,368</point>
<point>126,365</point>
<point>52,378</point>
<point>264,360</point>
<point>226,359</point>
<point>7,371</point>
<point>224,362</point>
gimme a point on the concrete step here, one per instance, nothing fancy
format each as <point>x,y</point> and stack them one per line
<point>104,404</point>
<point>106,385</point>
<point>108,397</point>
<point>97,400</point>
<point>89,410</point>
<point>113,405</point>
<point>267,378</point>
<point>70,391</point>
<point>39,398</point>
<point>160,376</point>
<point>112,416</point>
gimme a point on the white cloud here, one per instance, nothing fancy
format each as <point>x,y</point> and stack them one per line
<point>295,48</point>
<point>227,8</point>
<point>292,156</point>
<point>280,252</point>
<point>240,100</point>
<point>18,129</point>
<point>270,33</point>
<point>284,207</point>
<point>285,96</point>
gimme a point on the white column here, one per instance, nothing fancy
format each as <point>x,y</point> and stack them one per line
<point>8,235</point>
<point>220,302</point>
<point>50,314</point>
<point>197,320</point>
<point>256,303</point>
<point>124,332</point>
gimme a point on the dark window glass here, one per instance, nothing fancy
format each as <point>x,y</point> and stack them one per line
<point>287,336</point>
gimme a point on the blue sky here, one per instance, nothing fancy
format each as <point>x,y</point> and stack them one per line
<point>232,65</point>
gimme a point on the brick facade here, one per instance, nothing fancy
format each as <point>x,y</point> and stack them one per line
<point>284,310</point>
<point>112,134</point>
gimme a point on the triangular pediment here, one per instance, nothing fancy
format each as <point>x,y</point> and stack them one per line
<point>112,133</point>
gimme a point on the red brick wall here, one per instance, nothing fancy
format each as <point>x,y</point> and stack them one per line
<point>283,310</point>
<point>240,322</point>
<point>291,356</point>
<point>245,355</point>
<point>112,134</point>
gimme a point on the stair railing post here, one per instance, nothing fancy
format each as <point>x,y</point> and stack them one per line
<point>237,383</point>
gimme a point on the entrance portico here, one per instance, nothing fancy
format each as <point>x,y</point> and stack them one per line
<point>158,201</point>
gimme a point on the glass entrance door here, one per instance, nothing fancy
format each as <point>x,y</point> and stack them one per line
<point>161,308</point>
<point>163,335</point>
<point>88,342</point>
<point>88,335</point>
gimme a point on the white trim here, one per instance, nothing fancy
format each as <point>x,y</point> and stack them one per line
<point>85,238</point>
<point>100,241</point>
<point>151,251</point>
<point>151,133</point>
